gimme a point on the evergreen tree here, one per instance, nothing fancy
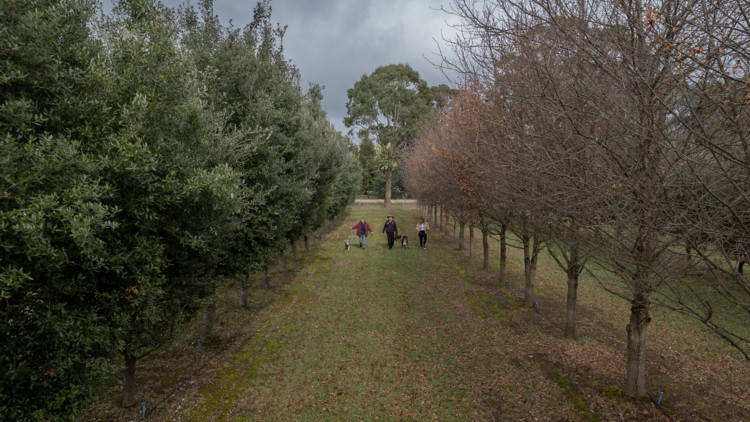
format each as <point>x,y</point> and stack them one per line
<point>367,162</point>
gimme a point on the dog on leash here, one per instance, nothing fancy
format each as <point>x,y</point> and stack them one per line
<point>404,242</point>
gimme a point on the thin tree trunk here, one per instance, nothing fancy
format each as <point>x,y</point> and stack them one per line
<point>503,252</point>
<point>461,237</point>
<point>536,246</point>
<point>265,275</point>
<point>435,218</point>
<point>128,382</point>
<point>471,241</point>
<point>207,325</point>
<point>486,248</point>
<point>282,262</point>
<point>294,251</point>
<point>454,227</point>
<point>307,243</point>
<point>528,279</point>
<point>635,383</point>
<point>244,288</point>
<point>570,316</point>
<point>388,177</point>
<point>441,219</point>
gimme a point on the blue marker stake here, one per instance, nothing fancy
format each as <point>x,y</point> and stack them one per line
<point>266,287</point>
<point>536,306</point>
<point>144,410</point>
<point>305,250</point>
<point>661,393</point>
<point>252,306</point>
<point>199,343</point>
<point>284,271</point>
<point>586,339</point>
<point>511,285</point>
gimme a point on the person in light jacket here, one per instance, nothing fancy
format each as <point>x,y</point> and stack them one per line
<point>362,229</point>
<point>422,228</point>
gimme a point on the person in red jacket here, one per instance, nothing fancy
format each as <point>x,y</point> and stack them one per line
<point>362,229</point>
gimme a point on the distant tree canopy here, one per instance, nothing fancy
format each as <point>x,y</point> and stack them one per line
<point>392,104</point>
<point>146,155</point>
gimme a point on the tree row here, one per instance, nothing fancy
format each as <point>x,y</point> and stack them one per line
<point>613,134</point>
<point>146,155</point>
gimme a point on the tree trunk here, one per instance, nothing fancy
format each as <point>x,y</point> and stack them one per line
<point>282,262</point>
<point>307,243</point>
<point>486,248</point>
<point>635,383</point>
<point>454,227</point>
<point>207,325</point>
<point>294,251</point>
<point>471,241</point>
<point>536,246</point>
<point>461,237</point>
<point>265,275</point>
<point>128,382</point>
<point>440,226</point>
<point>435,224</point>
<point>388,177</point>
<point>244,288</point>
<point>528,279</point>
<point>503,252</point>
<point>570,316</point>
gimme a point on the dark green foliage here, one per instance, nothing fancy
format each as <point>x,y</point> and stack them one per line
<point>297,168</point>
<point>52,211</point>
<point>397,183</point>
<point>142,161</point>
<point>392,105</point>
<point>442,94</point>
<point>367,162</point>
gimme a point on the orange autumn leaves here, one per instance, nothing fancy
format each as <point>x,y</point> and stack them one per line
<point>447,163</point>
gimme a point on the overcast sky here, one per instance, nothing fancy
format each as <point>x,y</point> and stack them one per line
<point>335,42</point>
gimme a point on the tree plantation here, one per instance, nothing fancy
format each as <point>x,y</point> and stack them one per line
<point>147,155</point>
<point>179,214</point>
<point>615,136</point>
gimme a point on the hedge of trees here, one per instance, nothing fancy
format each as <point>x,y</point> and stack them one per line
<point>613,134</point>
<point>145,156</point>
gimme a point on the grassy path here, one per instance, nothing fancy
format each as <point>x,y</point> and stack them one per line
<point>375,334</point>
<point>413,335</point>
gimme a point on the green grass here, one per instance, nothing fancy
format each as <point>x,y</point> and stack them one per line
<point>415,334</point>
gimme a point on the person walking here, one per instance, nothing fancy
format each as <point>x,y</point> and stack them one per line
<point>362,229</point>
<point>390,230</point>
<point>422,228</point>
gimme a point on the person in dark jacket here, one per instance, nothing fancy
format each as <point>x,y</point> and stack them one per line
<point>362,229</point>
<point>390,230</point>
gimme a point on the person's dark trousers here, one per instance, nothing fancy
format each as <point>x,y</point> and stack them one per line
<point>390,239</point>
<point>422,239</point>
